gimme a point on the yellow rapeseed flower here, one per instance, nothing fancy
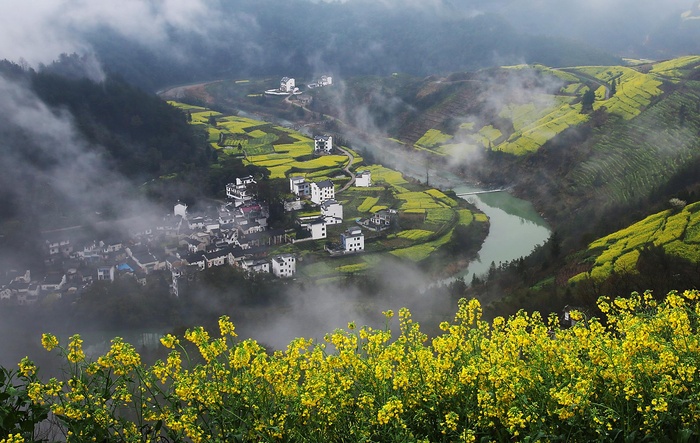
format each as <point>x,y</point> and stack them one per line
<point>75,349</point>
<point>27,367</point>
<point>49,341</point>
<point>169,341</point>
<point>13,438</point>
<point>226,327</point>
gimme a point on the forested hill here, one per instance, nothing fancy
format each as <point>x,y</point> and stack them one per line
<point>142,135</point>
<point>301,39</point>
<point>74,152</point>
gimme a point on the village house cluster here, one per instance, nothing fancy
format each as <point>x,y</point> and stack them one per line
<point>183,243</point>
<point>288,85</point>
<point>179,244</point>
<point>322,194</point>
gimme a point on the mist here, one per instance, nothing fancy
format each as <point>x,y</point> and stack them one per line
<point>311,309</point>
<point>42,148</point>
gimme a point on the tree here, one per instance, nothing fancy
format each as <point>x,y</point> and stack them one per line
<point>682,114</point>
<point>587,100</point>
<point>613,88</point>
<point>555,244</point>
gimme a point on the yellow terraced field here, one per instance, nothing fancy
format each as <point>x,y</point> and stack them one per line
<point>675,232</point>
<point>433,138</point>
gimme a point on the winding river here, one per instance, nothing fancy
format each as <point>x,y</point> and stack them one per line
<point>516,228</point>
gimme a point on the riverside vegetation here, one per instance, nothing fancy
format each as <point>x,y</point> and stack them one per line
<point>631,375</point>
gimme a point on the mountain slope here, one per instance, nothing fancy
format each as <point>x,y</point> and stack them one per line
<point>639,134</point>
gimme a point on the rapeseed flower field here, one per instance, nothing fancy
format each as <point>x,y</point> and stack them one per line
<point>629,376</point>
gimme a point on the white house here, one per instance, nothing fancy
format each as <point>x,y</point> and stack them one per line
<point>287,85</point>
<point>105,273</point>
<point>353,240</point>
<point>180,209</point>
<point>325,80</point>
<point>363,179</point>
<point>226,216</point>
<point>316,226</point>
<point>322,191</point>
<point>59,245</point>
<point>247,180</point>
<point>216,258</point>
<point>53,282</point>
<point>332,212</point>
<point>299,186</point>
<point>323,144</point>
<point>239,193</point>
<point>197,260</point>
<point>196,222</point>
<point>383,218</point>
<point>284,265</point>
<point>255,265</point>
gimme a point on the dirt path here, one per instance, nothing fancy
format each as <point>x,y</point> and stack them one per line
<point>346,169</point>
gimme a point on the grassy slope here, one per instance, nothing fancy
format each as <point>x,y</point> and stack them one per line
<point>630,157</point>
<point>615,161</point>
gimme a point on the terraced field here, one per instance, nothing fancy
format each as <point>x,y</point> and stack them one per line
<point>433,138</point>
<point>635,90</point>
<point>676,68</point>
<point>521,127</point>
<point>535,126</point>
<point>432,215</point>
<point>677,232</point>
<point>631,157</point>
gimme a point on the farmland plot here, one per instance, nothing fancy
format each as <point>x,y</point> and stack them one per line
<point>433,138</point>
<point>676,68</point>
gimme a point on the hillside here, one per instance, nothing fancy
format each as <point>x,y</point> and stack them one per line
<point>589,172</point>
<point>525,126</point>
<point>430,227</point>
<point>518,109</point>
<point>74,152</point>
<point>302,38</point>
<point>653,253</point>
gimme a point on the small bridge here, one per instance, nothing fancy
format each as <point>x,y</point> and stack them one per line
<point>481,192</point>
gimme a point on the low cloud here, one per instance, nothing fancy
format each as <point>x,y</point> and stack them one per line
<point>39,31</point>
<point>41,147</point>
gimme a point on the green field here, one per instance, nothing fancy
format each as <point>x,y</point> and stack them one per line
<point>676,68</point>
<point>368,204</point>
<point>678,233</point>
